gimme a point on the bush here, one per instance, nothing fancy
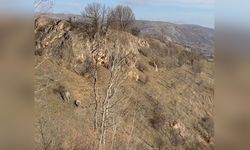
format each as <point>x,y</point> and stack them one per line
<point>135,31</point>
<point>143,52</point>
<point>157,121</point>
<point>205,127</point>
<point>175,138</point>
<point>140,67</point>
<point>143,79</point>
<point>154,63</point>
<point>87,66</point>
<point>84,67</point>
<point>182,58</point>
<point>196,66</point>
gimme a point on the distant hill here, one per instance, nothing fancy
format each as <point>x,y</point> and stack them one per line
<point>196,37</point>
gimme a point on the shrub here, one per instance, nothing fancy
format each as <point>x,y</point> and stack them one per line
<point>135,31</point>
<point>182,58</point>
<point>176,139</point>
<point>140,67</point>
<point>158,119</point>
<point>39,52</point>
<point>84,67</point>
<point>205,127</point>
<point>196,66</point>
<point>87,66</point>
<point>143,79</point>
<point>208,124</point>
<point>154,63</point>
<point>143,52</point>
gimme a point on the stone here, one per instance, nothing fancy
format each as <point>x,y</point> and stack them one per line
<point>77,103</point>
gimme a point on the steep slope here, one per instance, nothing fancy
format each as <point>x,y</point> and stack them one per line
<point>165,103</point>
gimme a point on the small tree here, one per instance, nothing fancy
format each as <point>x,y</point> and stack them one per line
<point>122,17</point>
<point>43,6</point>
<point>118,74</point>
<point>96,15</point>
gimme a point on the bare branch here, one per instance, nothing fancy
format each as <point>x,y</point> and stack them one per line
<point>43,6</point>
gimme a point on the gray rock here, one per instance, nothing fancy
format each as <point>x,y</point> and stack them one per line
<point>77,103</point>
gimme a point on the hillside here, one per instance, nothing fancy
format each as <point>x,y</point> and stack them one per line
<point>197,38</point>
<point>161,95</point>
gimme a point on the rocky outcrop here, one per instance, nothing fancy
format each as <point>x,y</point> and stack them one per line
<point>60,39</point>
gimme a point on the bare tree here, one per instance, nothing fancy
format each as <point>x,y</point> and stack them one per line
<point>104,105</point>
<point>96,15</point>
<point>122,17</point>
<point>43,6</point>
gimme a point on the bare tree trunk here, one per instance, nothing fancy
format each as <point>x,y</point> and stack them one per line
<point>156,67</point>
<point>106,103</point>
<point>113,136</point>
<point>131,131</point>
<point>96,100</point>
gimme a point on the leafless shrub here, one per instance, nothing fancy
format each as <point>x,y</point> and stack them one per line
<point>170,62</point>
<point>39,52</point>
<point>196,145</point>
<point>141,67</point>
<point>197,66</point>
<point>87,66</point>
<point>143,79</point>
<point>158,119</point>
<point>77,141</point>
<point>176,139</point>
<point>155,63</point>
<point>159,143</point>
<point>50,134</point>
<point>182,58</point>
<point>205,127</point>
<point>135,31</point>
<point>208,124</point>
<point>62,93</point>
<point>144,52</point>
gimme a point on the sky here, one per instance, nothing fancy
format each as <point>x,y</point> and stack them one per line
<point>200,12</point>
